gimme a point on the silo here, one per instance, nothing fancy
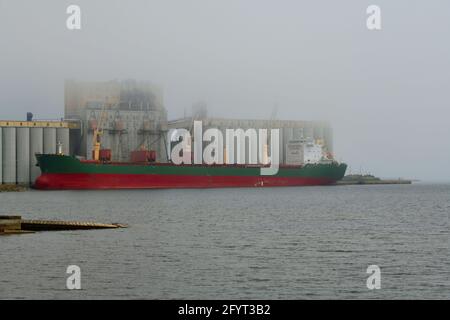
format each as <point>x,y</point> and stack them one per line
<point>223,129</point>
<point>106,140</point>
<point>62,136</point>
<point>328,138</point>
<point>318,132</point>
<point>36,146</point>
<point>297,133</point>
<point>9,155</point>
<point>302,132</point>
<point>281,146</point>
<point>49,140</point>
<point>284,142</point>
<point>309,131</point>
<point>1,156</point>
<point>289,134</point>
<point>89,146</point>
<point>23,155</point>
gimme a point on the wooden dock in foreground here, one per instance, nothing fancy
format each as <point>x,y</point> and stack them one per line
<point>17,225</point>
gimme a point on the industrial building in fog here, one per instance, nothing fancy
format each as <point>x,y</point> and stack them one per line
<point>131,116</point>
<point>295,136</point>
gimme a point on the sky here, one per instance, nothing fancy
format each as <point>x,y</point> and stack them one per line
<point>385,92</point>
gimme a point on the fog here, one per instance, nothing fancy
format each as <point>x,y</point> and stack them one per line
<point>386,92</point>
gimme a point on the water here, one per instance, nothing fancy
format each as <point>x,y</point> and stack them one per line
<point>274,243</point>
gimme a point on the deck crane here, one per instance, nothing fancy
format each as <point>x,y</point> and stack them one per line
<point>98,132</point>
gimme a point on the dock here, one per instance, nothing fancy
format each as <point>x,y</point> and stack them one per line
<point>352,179</point>
<point>17,225</point>
<point>371,182</point>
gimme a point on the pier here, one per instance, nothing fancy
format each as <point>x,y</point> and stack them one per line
<point>381,181</point>
<point>352,179</point>
<point>17,225</point>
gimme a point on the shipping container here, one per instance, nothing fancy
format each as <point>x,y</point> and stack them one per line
<point>143,156</point>
<point>105,154</point>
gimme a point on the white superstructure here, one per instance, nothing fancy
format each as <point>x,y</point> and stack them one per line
<point>303,151</point>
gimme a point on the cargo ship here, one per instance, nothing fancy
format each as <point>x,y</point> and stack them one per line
<point>59,171</point>
<point>67,172</point>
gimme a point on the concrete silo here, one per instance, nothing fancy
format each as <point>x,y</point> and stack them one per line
<point>50,140</point>
<point>36,146</point>
<point>9,155</point>
<point>23,155</point>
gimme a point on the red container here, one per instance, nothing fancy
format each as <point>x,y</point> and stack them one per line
<point>143,156</point>
<point>104,154</point>
<point>152,156</point>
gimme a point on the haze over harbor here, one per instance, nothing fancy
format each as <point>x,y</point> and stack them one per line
<point>385,92</point>
<point>226,149</point>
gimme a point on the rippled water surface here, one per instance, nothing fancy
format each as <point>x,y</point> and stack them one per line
<point>272,243</point>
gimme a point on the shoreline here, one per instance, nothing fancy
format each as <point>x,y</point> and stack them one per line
<point>372,182</point>
<point>13,188</point>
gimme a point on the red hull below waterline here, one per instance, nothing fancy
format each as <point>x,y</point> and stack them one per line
<point>67,172</point>
<point>80,181</point>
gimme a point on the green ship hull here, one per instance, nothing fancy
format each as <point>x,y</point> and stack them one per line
<point>66,172</point>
